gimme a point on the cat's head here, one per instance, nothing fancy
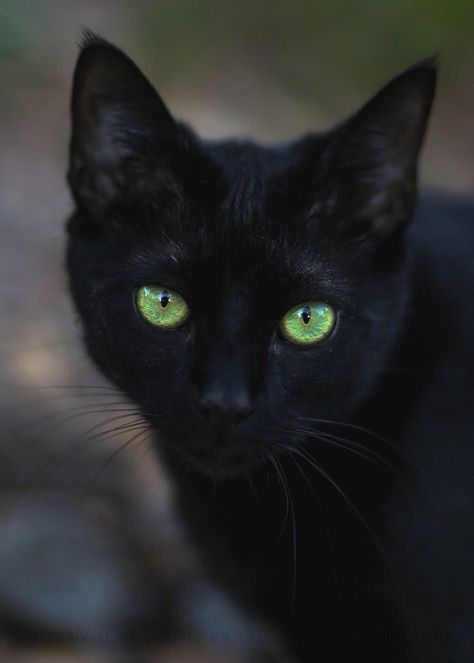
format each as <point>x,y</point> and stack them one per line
<point>233,289</point>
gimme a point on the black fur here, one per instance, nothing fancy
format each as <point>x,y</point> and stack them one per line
<point>370,552</point>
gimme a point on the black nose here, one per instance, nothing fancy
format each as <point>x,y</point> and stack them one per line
<point>224,414</point>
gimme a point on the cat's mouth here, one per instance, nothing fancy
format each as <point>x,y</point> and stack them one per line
<point>222,458</point>
<point>220,464</point>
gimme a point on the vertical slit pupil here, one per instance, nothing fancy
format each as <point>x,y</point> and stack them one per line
<point>164,298</point>
<point>306,315</point>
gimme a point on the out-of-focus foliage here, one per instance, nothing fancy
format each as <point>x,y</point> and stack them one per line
<point>311,38</point>
<point>13,31</point>
<point>306,41</point>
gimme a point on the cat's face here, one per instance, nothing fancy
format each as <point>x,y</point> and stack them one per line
<point>185,257</point>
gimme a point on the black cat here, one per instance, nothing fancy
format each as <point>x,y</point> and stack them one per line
<point>304,355</point>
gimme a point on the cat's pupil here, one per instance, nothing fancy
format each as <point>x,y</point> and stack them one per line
<point>306,315</point>
<point>164,298</point>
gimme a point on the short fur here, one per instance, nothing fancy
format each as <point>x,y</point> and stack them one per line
<point>327,487</point>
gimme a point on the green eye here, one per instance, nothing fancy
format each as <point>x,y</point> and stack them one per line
<point>308,323</point>
<point>161,307</point>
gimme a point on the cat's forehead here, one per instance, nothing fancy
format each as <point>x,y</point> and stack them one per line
<point>243,157</point>
<point>240,249</point>
<point>242,224</point>
<point>251,191</point>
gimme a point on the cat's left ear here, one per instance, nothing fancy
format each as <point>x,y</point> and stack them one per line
<point>372,160</point>
<point>121,130</point>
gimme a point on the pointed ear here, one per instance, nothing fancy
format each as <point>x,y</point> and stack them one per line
<point>121,129</point>
<point>372,160</point>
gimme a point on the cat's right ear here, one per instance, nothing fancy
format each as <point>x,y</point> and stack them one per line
<point>121,130</point>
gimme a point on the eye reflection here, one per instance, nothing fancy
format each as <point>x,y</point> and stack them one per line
<point>308,323</point>
<point>161,307</point>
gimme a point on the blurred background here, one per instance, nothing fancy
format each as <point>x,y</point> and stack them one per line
<point>91,552</point>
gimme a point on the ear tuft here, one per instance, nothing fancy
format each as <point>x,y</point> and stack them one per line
<point>91,38</point>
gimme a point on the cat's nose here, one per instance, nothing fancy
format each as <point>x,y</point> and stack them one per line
<point>225,394</point>
<point>223,412</point>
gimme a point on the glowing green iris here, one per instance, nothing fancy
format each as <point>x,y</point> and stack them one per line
<point>161,307</point>
<point>308,323</point>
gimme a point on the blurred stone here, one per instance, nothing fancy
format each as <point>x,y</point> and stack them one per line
<point>63,571</point>
<point>184,653</point>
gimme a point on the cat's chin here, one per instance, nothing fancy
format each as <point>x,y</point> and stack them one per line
<point>218,458</point>
<point>219,464</point>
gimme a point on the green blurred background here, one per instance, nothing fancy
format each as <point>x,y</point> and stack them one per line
<point>77,552</point>
<point>271,69</point>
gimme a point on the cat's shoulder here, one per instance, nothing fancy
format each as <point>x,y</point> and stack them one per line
<point>443,228</point>
<point>443,236</point>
